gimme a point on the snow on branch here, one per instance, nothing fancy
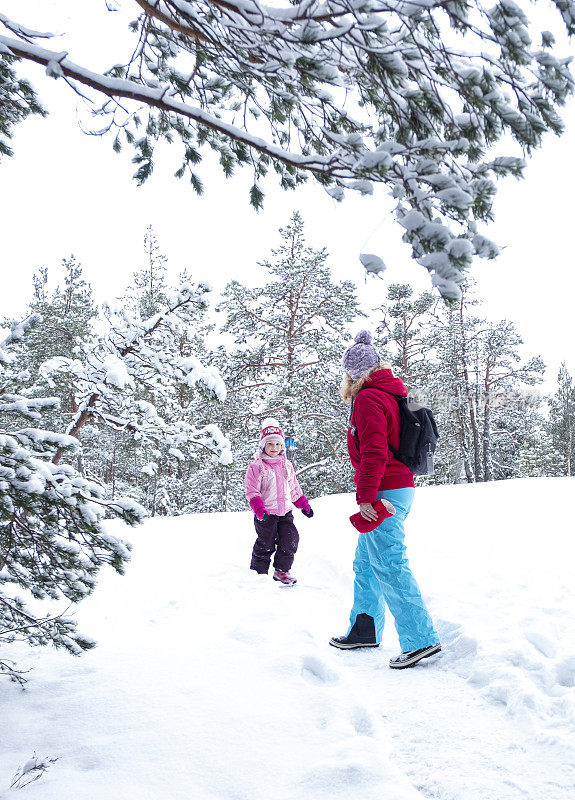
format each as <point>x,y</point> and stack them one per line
<point>20,30</point>
<point>160,98</point>
<point>415,95</point>
<point>124,379</point>
<point>52,535</point>
<point>18,332</point>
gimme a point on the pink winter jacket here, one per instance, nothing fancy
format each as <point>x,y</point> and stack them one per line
<point>274,480</point>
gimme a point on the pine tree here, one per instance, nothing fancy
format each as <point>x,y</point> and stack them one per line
<point>291,335</point>
<point>67,310</point>
<point>213,486</point>
<point>415,96</point>
<point>520,446</point>
<point>148,294</point>
<point>476,382</point>
<point>537,458</point>
<point>127,379</point>
<point>402,334</point>
<point>52,542</point>
<point>163,477</point>
<point>561,425</point>
<point>501,372</point>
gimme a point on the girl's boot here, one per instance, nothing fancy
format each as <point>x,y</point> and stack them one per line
<point>284,577</point>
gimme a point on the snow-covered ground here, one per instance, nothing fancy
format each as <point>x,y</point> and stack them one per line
<point>213,683</point>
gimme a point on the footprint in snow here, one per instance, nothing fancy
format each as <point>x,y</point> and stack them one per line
<point>314,671</point>
<point>448,631</point>
<point>458,650</point>
<point>542,643</point>
<point>565,672</point>
<point>363,722</point>
<point>464,647</point>
<point>327,779</point>
<point>246,637</point>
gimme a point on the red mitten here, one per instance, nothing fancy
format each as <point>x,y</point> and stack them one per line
<point>257,506</point>
<point>366,525</point>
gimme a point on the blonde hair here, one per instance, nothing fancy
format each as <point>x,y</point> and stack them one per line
<point>349,387</point>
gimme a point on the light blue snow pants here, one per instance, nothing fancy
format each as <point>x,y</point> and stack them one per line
<point>382,575</point>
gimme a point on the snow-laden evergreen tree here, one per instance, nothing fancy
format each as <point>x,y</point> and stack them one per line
<point>406,329</point>
<point>505,406</point>
<point>52,538</point>
<point>476,389</point>
<point>213,486</point>
<point>129,377</point>
<point>67,310</point>
<point>291,334</point>
<point>64,302</point>
<point>148,292</point>
<point>401,334</point>
<point>164,477</point>
<point>561,425</point>
<point>128,461</point>
<point>537,458</point>
<point>413,95</point>
<point>521,447</point>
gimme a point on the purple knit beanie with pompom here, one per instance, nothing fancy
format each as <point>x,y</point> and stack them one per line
<point>361,356</point>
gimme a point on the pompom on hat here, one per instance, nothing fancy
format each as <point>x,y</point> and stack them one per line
<point>361,356</point>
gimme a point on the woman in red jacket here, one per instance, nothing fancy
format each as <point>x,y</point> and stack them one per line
<point>382,573</point>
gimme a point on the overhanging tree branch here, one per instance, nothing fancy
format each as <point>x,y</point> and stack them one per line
<point>411,96</point>
<point>160,99</point>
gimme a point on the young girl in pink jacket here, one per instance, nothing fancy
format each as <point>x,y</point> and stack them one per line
<point>272,490</point>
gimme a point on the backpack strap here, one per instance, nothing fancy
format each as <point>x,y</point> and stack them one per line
<point>400,399</point>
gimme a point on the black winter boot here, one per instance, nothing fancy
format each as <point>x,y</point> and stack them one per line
<point>362,634</point>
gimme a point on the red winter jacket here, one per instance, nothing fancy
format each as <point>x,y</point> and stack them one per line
<point>374,425</point>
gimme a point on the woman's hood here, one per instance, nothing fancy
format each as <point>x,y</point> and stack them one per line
<point>384,379</point>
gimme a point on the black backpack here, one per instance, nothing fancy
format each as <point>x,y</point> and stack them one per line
<point>418,436</point>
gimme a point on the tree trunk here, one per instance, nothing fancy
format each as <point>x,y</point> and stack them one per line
<point>487,461</point>
<point>463,449</point>
<point>477,465</point>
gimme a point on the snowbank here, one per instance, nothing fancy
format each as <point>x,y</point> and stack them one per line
<point>213,683</point>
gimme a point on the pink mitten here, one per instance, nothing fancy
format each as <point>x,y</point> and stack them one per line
<point>257,506</point>
<point>303,504</point>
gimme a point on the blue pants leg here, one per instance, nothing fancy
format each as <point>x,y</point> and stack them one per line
<point>382,575</point>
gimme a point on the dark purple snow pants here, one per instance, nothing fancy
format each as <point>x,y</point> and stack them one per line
<point>275,532</point>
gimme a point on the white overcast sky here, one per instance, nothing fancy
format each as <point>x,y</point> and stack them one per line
<point>65,192</point>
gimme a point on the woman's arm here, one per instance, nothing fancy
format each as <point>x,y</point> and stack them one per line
<point>371,424</point>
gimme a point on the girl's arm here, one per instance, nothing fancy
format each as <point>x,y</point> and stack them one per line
<point>253,481</point>
<point>253,484</point>
<point>298,498</point>
<point>295,488</point>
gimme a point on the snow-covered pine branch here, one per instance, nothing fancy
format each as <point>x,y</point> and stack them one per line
<point>52,537</point>
<point>411,94</point>
<point>126,377</point>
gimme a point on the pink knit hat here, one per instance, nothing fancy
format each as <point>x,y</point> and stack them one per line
<point>271,430</point>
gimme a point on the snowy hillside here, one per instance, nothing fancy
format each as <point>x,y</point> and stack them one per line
<point>213,683</point>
